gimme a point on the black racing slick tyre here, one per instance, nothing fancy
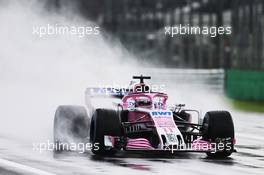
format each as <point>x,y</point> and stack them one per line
<point>104,122</point>
<point>218,128</point>
<point>71,124</point>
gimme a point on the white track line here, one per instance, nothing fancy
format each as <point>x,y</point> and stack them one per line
<point>24,167</point>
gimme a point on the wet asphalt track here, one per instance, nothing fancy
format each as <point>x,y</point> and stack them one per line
<point>17,156</point>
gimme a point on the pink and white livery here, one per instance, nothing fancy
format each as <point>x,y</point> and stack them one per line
<point>143,121</point>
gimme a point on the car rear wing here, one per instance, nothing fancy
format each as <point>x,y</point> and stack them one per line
<point>105,92</point>
<point>95,93</point>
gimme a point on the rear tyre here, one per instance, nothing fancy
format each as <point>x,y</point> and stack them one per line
<point>104,122</point>
<point>218,126</point>
<point>71,125</point>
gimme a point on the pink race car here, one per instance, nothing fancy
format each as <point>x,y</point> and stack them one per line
<point>142,121</point>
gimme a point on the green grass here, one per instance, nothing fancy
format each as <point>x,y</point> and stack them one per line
<point>251,106</point>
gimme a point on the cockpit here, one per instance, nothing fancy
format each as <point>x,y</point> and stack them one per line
<point>141,96</point>
<point>149,101</point>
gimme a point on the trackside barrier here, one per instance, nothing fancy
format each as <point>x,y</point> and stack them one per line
<point>244,85</point>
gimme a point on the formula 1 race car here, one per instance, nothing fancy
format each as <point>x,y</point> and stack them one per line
<point>143,121</point>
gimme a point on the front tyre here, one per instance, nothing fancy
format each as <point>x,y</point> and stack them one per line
<point>104,122</point>
<point>218,128</point>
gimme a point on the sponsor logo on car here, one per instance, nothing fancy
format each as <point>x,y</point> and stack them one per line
<point>161,113</point>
